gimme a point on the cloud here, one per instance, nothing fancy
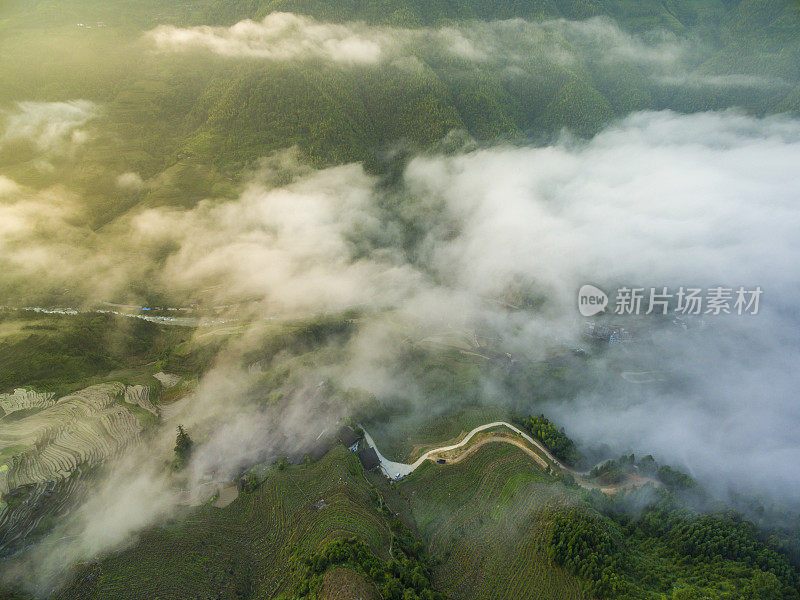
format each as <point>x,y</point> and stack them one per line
<point>132,492</point>
<point>130,181</point>
<point>50,126</point>
<point>288,246</point>
<point>137,489</point>
<point>732,80</point>
<point>280,36</point>
<point>595,39</point>
<point>46,246</point>
<point>657,199</point>
<point>8,186</point>
<point>286,36</point>
<point>657,194</point>
<point>512,47</point>
<point>660,194</point>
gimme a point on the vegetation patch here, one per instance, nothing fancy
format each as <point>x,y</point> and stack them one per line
<point>405,576</point>
<point>554,439</point>
<point>345,583</point>
<point>668,551</point>
<point>486,522</point>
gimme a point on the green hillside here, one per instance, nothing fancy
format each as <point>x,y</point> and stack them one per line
<point>247,549</point>
<point>204,119</point>
<point>487,523</point>
<point>491,526</point>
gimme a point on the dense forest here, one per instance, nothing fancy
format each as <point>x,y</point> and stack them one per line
<point>555,440</point>
<point>665,546</point>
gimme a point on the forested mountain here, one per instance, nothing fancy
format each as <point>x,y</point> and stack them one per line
<point>472,67</point>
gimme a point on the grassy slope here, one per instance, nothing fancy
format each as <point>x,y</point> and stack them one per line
<point>408,443</point>
<point>342,583</point>
<point>487,524</point>
<point>62,353</point>
<point>471,520</point>
<point>487,520</point>
<point>245,547</point>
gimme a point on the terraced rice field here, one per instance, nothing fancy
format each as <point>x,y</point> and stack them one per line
<point>487,520</point>
<point>246,547</point>
<point>44,502</point>
<point>139,395</point>
<point>80,429</point>
<point>23,399</point>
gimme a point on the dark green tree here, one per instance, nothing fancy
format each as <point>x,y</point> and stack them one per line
<point>183,448</point>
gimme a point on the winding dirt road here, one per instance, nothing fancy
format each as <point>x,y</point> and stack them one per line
<point>394,469</point>
<point>542,456</point>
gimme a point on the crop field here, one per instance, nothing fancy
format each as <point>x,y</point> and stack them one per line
<point>487,520</point>
<point>341,583</point>
<point>45,443</point>
<point>80,429</point>
<point>245,548</point>
<point>25,400</point>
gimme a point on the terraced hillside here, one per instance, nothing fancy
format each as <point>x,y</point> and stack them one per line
<point>487,520</point>
<point>23,399</point>
<point>139,395</point>
<point>51,444</point>
<point>247,548</point>
<point>345,584</point>
<point>473,516</point>
<point>491,526</point>
<point>80,429</point>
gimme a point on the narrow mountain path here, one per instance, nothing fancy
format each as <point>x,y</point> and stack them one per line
<point>534,448</point>
<point>394,469</point>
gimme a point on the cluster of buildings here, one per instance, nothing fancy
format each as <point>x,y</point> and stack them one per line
<point>612,334</point>
<point>367,454</point>
<point>350,439</point>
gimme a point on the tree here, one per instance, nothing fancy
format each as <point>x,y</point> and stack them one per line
<point>554,439</point>
<point>250,482</point>
<point>183,448</point>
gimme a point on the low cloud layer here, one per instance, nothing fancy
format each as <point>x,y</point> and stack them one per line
<point>280,36</point>
<point>658,199</point>
<point>696,80</point>
<point>286,36</point>
<point>7,186</point>
<point>49,126</point>
<point>287,246</point>
<point>513,45</point>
